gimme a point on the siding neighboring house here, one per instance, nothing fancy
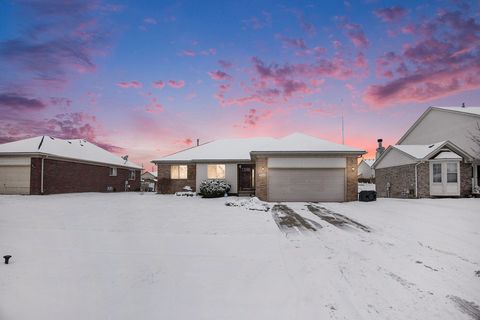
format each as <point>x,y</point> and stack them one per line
<point>435,157</point>
<point>365,170</point>
<point>48,165</point>
<point>149,181</point>
<point>293,168</point>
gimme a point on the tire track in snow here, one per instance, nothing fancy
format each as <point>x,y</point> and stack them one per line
<point>290,222</point>
<point>468,307</point>
<point>336,219</point>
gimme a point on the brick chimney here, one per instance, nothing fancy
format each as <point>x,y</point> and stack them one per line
<point>380,149</point>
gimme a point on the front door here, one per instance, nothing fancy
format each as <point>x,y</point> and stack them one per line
<point>246,177</point>
<point>444,178</point>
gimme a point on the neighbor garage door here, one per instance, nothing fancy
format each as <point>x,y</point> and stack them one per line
<point>306,184</point>
<point>15,176</point>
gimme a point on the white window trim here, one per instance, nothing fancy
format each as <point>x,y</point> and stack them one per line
<point>444,182</point>
<point>130,176</point>
<point>112,172</point>
<point>216,166</point>
<point>172,177</point>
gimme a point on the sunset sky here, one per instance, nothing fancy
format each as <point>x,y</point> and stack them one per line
<point>149,78</point>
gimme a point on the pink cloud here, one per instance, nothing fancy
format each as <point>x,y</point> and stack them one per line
<point>150,20</point>
<point>185,142</point>
<point>219,75</point>
<point>209,52</point>
<point>408,29</point>
<point>256,23</point>
<point>154,106</point>
<point>176,84</point>
<point>159,84</point>
<point>391,14</point>
<point>225,64</point>
<point>252,117</point>
<point>293,43</point>
<point>129,84</point>
<point>436,64</point>
<point>423,86</point>
<point>188,53</point>
<point>356,35</point>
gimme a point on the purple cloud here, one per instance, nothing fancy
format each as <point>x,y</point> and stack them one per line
<point>391,14</point>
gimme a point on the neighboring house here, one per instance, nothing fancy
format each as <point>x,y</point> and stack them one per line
<point>149,180</point>
<point>47,165</point>
<point>365,170</point>
<point>293,168</point>
<point>435,157</point>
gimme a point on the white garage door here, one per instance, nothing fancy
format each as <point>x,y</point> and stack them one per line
<point>14,179</point>
<point>306,184</point>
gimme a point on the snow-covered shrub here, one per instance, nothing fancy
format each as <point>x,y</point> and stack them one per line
<point>214,188</point>
<point>252,203</point>
<point>185,194</point>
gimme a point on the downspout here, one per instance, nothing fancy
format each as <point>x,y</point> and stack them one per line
<point>41,177</point>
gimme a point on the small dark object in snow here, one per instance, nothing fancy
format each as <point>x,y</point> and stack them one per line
<point>477,273</point>
<point>367,195</point>
<point>418,261</point>
<point>7,257</point>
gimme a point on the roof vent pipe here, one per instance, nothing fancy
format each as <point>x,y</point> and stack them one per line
<point>463,104</point>
<point>198,142</point>
<point>380,149</point>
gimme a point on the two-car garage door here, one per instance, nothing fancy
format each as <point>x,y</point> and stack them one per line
<point>306,185</point>
<point>306,179</point>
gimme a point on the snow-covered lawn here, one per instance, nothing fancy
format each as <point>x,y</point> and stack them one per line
<point>133,256</point>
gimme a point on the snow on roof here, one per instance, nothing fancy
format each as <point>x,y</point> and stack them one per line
<point>369,162</point>
<point>448,155</point>
<point>239,149</point>
<point>471,110</point>
<point>419,151</point>
<point>77,149</point>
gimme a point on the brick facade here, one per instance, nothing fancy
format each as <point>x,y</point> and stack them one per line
<point>402,181</point>
<point>466,175</point>
<point>261,174</point>
<point>352,179</point>
<point>166,185</point>
<point>66,176</point>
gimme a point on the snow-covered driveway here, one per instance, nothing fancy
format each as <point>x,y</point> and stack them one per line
<point>132,256</point>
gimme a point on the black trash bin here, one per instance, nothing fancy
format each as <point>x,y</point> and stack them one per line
<point>367,195</point>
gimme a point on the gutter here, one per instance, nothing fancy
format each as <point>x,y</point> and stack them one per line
<point>42,174</point>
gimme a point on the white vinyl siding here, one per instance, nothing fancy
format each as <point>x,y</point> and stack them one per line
<point>440,125</point>
<point>231,175</point>
<point>394,158</point>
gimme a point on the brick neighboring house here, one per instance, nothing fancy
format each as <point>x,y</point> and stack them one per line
<point>436,157</point>
<point>293,168</point>
<point>47,165</point>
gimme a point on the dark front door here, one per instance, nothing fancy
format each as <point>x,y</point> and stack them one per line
<point>246,177</point>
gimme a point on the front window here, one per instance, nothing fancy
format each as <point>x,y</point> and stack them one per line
<point>452,172</point>
<point>131,175</point>
<point>113,172</point>
<point>437,172</point>
<point>216,171</point>
<point>178,172</point>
